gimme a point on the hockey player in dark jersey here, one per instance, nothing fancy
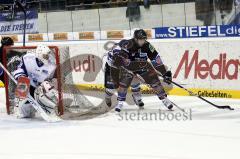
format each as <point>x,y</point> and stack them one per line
<point>6,41</point>
<point>112,74</point>
<point>134,60</point>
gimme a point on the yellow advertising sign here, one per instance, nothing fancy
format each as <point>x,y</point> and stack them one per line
<point>86,36</point>
<point>60,36</point>
<point>35,37</point>
<point>114,34</point>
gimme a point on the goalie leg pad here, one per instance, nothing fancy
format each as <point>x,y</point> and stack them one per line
<point>47,97</point>
<point>24,109</point>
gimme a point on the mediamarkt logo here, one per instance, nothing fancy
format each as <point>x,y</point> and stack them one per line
<point>216,69</point>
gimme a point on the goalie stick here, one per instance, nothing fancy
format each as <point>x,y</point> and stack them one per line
<point>33,102</point>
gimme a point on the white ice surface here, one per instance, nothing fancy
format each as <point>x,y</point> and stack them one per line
<point>212,134</point>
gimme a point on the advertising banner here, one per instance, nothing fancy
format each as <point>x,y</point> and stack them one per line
<point>14,23</point>
<point>197,31</point>
<point>208,68</point>
<point>115,34</point>
<point>60,36</point>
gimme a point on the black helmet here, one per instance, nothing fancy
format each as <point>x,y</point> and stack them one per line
<point>6,41</point>
<point>140,34</point>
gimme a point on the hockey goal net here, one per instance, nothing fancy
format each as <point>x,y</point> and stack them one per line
<point>70,97</point>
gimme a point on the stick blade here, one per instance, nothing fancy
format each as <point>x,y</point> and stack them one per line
<point>225,107</point>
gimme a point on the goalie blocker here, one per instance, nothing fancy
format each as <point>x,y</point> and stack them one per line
<point>23,86</point>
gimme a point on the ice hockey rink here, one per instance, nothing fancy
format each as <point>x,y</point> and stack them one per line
<point>212,133</point>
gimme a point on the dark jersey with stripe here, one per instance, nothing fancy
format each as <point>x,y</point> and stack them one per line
<point>136,53</point>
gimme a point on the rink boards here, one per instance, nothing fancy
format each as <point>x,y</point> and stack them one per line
<point>209,67</point>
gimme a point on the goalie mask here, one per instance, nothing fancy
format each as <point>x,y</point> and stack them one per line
<point>43,53</point>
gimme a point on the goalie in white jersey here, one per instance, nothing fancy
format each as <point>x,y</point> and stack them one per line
<point>39,66</point>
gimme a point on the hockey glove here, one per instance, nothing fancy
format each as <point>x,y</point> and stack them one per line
<point>167,77</point>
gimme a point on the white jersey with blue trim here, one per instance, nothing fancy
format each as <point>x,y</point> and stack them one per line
<point>115,50</point>
<point>36,71</point>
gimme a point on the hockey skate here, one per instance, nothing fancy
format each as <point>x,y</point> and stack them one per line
<point>138,101</point>
<point>167,103</point>
<point>119,106</point>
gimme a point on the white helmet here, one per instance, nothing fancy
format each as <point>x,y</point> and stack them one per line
<point>42,53</point>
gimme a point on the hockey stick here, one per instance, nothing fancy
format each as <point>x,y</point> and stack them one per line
<point>33,102</point>
<point>196,95</point>
<point>192,93</point>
